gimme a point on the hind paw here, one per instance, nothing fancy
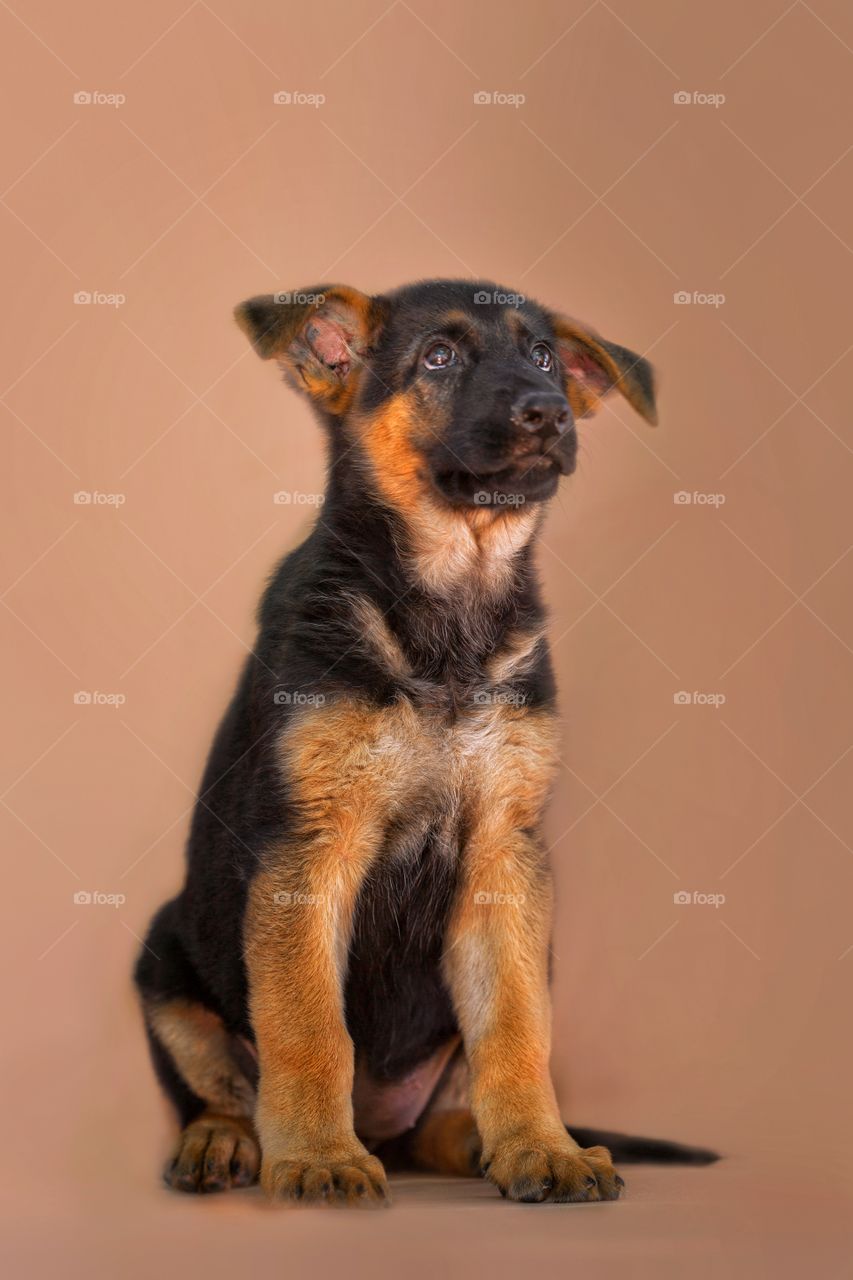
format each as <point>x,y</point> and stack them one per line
<point>214,1153</point>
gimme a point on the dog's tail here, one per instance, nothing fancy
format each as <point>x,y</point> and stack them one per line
<point>626,1149</point>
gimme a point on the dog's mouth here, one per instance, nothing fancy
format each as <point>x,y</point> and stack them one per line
<point>529,478</point>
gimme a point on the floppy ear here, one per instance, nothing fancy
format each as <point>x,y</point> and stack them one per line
<point>594,367</point>
<point>318,336</point>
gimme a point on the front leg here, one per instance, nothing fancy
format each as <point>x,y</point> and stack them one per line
<point>296,941</point>
<point>297,934</point>
<point>497,968</point>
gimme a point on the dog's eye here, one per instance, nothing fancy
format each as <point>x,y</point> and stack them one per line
<point>542,357</point>
<point>439,356</point>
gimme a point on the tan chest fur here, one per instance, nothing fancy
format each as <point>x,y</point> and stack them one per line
<point>357,770</point>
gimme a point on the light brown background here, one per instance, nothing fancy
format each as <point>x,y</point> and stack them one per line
<point>599,195</point>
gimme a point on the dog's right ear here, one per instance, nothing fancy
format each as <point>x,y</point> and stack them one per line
<point>319,337</point>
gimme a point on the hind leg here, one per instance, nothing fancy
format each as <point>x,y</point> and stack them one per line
<point>446,1140</point>
<point>205,1071</point>
<point>217,1148</point>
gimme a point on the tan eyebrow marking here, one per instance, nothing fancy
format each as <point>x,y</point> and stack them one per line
<point>458,317</point>
<point>517,326</point>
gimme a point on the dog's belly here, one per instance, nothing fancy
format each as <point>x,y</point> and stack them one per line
<point>384,1110</point>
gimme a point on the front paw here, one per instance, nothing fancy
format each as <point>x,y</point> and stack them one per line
<point>532,1171</point>
<point>333,1178</point>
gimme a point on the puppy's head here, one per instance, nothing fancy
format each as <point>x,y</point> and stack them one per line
<point>455,392</point>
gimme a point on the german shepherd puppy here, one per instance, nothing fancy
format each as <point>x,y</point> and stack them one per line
<point>357,965</point>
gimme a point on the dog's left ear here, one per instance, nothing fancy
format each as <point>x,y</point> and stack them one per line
<point>319,337</point>
<point>594,367</point>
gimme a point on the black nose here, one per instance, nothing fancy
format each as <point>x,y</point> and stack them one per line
<point>542,413</point>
